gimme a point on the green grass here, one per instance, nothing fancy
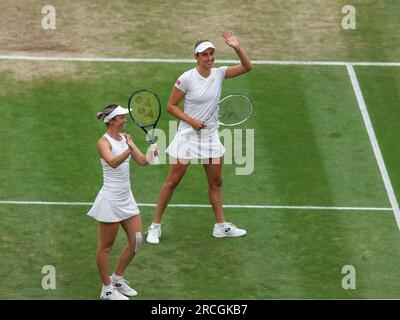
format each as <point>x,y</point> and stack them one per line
<point>311,149</point>
<point>381,90</point>
<point>287,254</point>
<point>273,29</point>
<point>308,132</point>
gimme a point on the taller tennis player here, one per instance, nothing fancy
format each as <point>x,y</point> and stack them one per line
<point>200,88</point>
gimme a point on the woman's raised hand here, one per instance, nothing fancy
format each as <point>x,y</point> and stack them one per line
<point>230,39</point>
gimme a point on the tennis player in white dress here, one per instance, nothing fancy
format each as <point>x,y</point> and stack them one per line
<point>200,89</point>
<point>115,204</point>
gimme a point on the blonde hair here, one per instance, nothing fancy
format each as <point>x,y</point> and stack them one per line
<point>101,115</point>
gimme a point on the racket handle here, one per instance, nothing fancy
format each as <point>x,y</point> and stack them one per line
<point>154,147</point>
<point>156,160</point>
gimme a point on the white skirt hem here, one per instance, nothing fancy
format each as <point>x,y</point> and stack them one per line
<point>191,144</point>
<point>111,207</point>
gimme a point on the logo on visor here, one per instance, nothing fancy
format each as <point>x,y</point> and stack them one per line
<point>178,82</point>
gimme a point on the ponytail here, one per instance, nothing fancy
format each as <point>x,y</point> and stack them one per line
<point>101,115</point>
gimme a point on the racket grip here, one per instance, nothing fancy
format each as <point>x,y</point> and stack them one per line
<point>154,147</point>
<point>156,160</point>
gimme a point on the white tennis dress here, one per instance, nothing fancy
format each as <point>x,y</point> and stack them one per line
<point>115,201</point>
<point>201,97</point>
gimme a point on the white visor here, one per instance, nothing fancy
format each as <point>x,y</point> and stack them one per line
<point>203,46</point>
<point>116,112</point>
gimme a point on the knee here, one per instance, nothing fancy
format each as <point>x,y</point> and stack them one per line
<point>171,184</point>
<point>215,182</point>
<point>105,247</point>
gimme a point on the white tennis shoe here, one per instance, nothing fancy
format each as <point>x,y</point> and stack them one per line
<point>154,234</point>
<point>122,286</point>
<point>228,230</point>
<point>112,294</point>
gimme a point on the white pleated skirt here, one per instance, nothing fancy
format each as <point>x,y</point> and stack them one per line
<point>191,144</point>
<point>114,206</point>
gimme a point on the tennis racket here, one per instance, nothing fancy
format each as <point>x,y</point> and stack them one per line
<point>145,109</point>
<point>231,111</point>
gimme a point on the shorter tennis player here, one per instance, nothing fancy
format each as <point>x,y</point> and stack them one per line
<point>115,204</point>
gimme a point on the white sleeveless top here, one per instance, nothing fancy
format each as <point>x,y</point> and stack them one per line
<point>118,178</point>
<point>115,201</point>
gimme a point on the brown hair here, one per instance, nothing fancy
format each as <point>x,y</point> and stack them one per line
<point>101,115</point>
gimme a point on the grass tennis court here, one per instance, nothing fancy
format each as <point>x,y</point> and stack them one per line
<point>311,149</point>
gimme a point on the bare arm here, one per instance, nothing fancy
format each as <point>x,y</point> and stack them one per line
<point>136,154</point>
<point>174,109</point>
<point>105,152</point>
<point>245,63</point>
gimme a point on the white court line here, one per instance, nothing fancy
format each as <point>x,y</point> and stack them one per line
<point>277,62</point>
<point>374,143</point>
<point>350,69</point>
<point>182,205</point>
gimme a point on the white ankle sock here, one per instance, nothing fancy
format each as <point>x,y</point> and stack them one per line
<point>221,225</point>
<point>107,288</point>
<point>116,278</point>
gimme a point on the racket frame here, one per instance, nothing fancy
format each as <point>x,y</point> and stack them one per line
<point>232,124</point>
<point>152,126</point>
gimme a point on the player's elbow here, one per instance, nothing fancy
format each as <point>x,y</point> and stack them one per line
<point>143,161</point>
<point>170,108</point>
<point>113,165</point>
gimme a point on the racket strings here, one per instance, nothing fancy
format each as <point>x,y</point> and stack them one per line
<point>145,109</point>
<point>234,109</point>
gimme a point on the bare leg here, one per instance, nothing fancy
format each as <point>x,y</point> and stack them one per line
<point>175,174</point>
<point>107,235</point>
<point>214,176</point>
<point>131,226</point>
